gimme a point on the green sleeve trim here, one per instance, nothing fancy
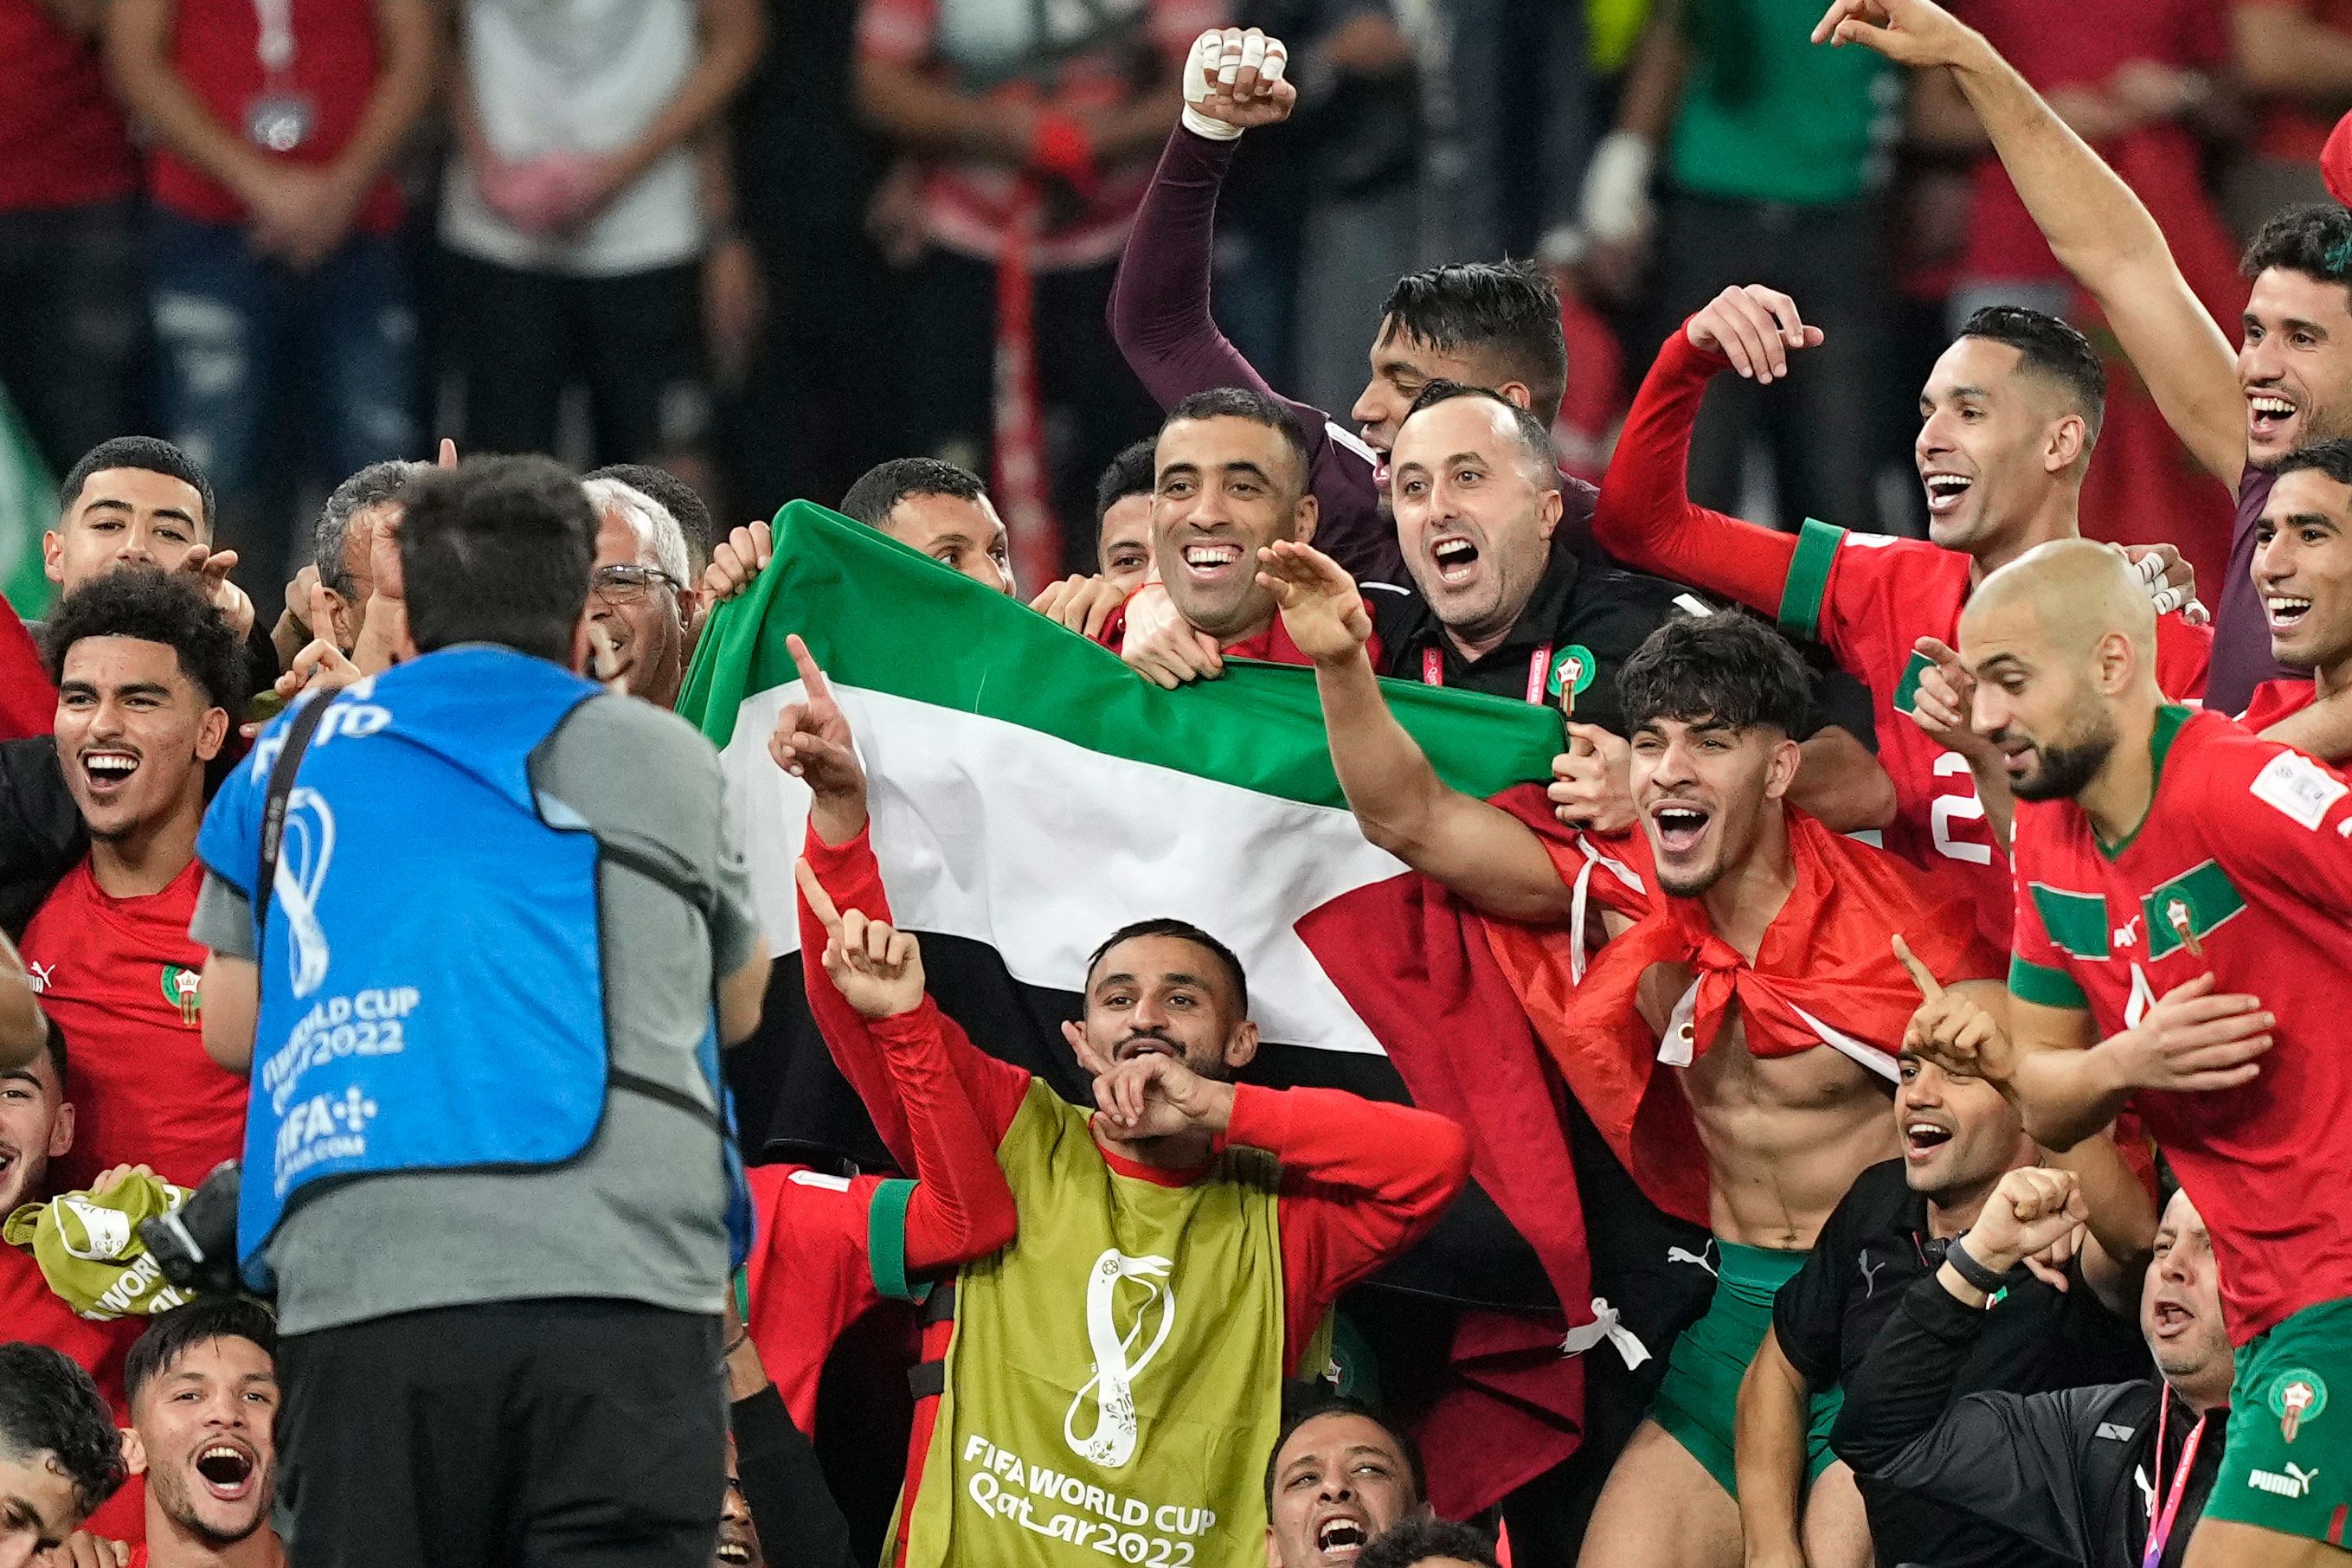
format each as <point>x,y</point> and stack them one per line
<point>886,1241</point>
<point>743,1294</point>
<point>1808,583</point>
<point>2044,987</point>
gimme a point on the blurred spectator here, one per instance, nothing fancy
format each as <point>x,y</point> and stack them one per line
<point>1772,151</point>
<point>147,677</point>
<point>2294,61</point>
<point>1031,130</point>
<point>1123,516</point>
<point>72,329</point>
<point>273,265</point>
<point>577,221</point>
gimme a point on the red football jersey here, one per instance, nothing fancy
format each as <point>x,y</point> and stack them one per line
<point>119,976</point>
<point>30,1311</point>
<point>811,1274</point>
<point>2242,867</point>
<point>2275,700</point>
<point>1870,597</point>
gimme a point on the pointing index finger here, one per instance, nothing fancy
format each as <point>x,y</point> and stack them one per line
<point>818,687</point>
<point>819,902</point>
<point>1929,985</point>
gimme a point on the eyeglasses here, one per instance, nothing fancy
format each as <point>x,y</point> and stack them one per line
<point>628,585</point>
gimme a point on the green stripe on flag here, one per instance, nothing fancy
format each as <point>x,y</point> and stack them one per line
<point>2075,922</point>
<point>28,504</point>
<point>882,617</point>
<point>2201,897</point>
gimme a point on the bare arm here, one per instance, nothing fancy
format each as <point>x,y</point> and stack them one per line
<point>231,988</point>
<point>1840,783</point>
<point>2283,53</point>
<point>80,18</point>
<point>928,116</point>
<point>22,1028</point>
<point>1771,1455</point>
<point>138,59</point>
<point>2122,1219</point>
<point>742,995</point>
<point>2323,729</point>
<point>1653,80</point>
<point>1138,125</point>
<point>408,74</point>
<point>2096,227</point>
<point>733,33</point>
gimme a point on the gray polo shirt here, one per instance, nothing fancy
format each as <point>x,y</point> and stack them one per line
<point>640,1215</point>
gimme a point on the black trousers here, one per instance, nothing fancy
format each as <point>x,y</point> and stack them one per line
<point>584,1434</point>
<point>517,339</point>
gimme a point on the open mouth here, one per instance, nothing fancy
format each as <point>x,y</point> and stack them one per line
<point>1146,1045</point>
<point>2285,612</point>
<point>1341,1538</point>
<point>1945,490</point>
<point>107,769</point>
<point>1679,827</point>
<point>2268,415</point>
<point>226,1470</point>
<point>1922,1138</point>
<point>1455,558</point>
<point>2172,1319</point>
<point>733,1549</point>
<point>1211,561</point>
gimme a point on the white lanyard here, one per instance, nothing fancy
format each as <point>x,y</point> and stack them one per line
<point>274,45</point>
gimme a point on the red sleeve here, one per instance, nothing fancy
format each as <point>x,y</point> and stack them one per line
<point>28,702</point>
<point>2039,969</point>
<point>2276,816</point>
<point>852,878</point>
<point>2183,655</point>
<point>1361,1181</point>
<point>962,1207</point>
<point>1646,516</point>
<point>808,1279</point>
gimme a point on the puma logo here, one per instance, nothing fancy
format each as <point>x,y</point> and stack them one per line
<point>1870,1272</point>
<point>1678,1255</point>
<point>44,975</point>
<point>2296,1483</point>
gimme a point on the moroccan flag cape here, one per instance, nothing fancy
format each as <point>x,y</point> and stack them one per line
<point>1030,794</point>
<point>1825,974</point>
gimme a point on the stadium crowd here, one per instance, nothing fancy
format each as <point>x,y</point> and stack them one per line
<point>1370,991</point>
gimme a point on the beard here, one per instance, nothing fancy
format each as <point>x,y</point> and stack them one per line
<point>2067,767</point>
<point>172,1495</point>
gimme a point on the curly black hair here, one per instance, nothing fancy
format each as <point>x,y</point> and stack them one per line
<point>1421,1539</point>
<point>2314,239</point>
<point>49,1406</point>
<point>150,604</point>
<point>1728,668</point>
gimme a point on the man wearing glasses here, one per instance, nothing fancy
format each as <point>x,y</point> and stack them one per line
<point>639,597</point>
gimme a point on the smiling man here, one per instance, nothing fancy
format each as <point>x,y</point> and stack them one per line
<point>1114,1373</point>
<point>642,593</point>
<point>203,1385</point>
<point>2054,1327</point>
<point>1339,1476</point>
<point>2007,421</point>
<point>147,676</point>
<point>139,500</point>
<point>2303,569</point>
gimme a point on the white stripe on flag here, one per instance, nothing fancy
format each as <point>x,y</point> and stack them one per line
<point>1040,848</point>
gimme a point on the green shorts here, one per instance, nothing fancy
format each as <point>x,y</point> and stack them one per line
<point>2288,1465</point>
<point>1697,1402</point>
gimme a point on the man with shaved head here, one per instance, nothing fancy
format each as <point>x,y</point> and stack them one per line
<point>2183,945</point>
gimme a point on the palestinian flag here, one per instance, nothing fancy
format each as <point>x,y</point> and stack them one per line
<point>1030,795</point>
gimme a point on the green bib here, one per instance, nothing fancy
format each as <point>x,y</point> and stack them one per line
<point>1114,1380</point>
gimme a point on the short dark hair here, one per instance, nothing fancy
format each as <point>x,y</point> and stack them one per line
<point>371,486</point>
<point>1131,473</point>
<point>151,604</point>
<point>497,550</point>
<point>884,485</point>
<point>2332,457</point>
<point>174,1334</point>
<point>2314,239</point>
<point>1534,434</point>
<point>1728,668</point>
<point>1184,931</point>
<point>1419,1539</point>
<point>1243,403</point>
<point>50,1405</point>
<point>2051,348</point>
<point>1314,1403</point>
<point>675,496</point>
<point>1506,309</point>
<point>152,453</point>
